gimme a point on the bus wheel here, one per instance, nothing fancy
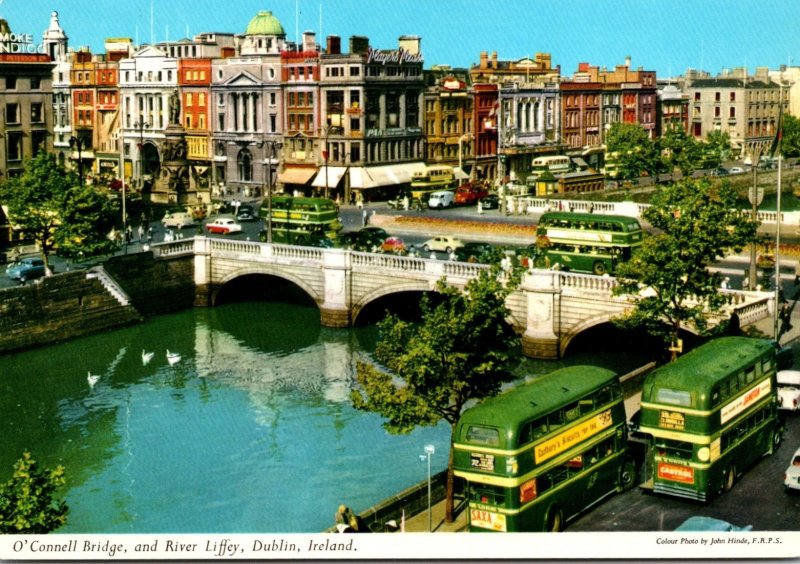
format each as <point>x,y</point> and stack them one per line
<point>777,438</point>
<point>730,478</point>
<point>599,268</point>
<point>628,475</point>
<point>554,520</point>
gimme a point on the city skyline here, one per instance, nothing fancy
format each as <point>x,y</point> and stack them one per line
<point>668,37</point>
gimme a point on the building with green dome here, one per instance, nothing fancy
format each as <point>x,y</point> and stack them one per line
<point>264,36</point>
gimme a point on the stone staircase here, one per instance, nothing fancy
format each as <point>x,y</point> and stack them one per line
<point>99,273</point>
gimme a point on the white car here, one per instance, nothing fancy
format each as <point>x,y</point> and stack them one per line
<point>791,478</point>
<point>224,226</point>
<point>443,244</point>
<point>441,199</point>
<point>789,389</point>
<point>736,170</point>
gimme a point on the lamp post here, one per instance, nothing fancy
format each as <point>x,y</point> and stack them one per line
<point>79,144</point>
<point>141,125</point>
<point>429,451</point>
<point>270,149</point>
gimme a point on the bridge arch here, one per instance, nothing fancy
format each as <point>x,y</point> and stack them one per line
<point>408,286</point>
<point>274,273</point>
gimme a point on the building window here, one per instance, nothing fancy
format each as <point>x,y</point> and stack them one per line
<point>717,96</point>
<point>37,115</point>
<point>696,96</point>
<point>11,83</point>
<point>732,113</point>
<point>14,148</point>
<point>36,83</point>
<point>733,96</point>
<point>12,113</point>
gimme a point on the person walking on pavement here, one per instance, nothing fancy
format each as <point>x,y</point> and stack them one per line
<point>364,218</point>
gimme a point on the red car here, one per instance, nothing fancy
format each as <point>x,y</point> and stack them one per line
<point>224,226</point>
<point>468,194</point>
<point>393,245</point>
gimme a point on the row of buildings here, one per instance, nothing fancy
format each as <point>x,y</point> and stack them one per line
<point>227,113</point>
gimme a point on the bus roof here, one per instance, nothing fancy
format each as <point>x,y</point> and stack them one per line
<point>538,397</point>
<point>301,199</point>
<point>700,369</point>
<point>578,216</point>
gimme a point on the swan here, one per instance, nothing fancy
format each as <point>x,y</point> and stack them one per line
<point>92,379</point>
<point>172,357</point>
<point>146,357</point>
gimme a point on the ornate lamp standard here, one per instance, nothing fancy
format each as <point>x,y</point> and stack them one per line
<point>79,144</point>
<point>271,150</point>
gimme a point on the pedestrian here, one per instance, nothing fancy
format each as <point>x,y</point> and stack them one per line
<point>345,519</point>
<point>480,207</point>
<point>140,232</point>
<point>405,202</point>
<point>364,218</point>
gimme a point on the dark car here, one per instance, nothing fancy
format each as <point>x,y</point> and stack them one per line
<point>475,252</point>
<point>26,269</point>
<point>364,240</point>
<point>490,202</point>
<point>246,215</point>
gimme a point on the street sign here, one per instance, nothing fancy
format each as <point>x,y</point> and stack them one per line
<point>756,196</point>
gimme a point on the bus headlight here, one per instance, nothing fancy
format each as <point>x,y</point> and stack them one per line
<point>704,454</point>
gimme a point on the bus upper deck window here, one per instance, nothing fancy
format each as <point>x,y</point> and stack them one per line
<point>483,435</point>
<point>674,397</point>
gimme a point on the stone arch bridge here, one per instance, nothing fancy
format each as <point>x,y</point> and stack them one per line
<point>548,310</point>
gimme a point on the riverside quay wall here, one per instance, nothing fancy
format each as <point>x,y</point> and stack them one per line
<point>78,303</point>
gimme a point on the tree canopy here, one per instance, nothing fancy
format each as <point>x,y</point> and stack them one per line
<point>27,500</point>
<point>630,147</point>
<point>47,204</point>
<point>790,144</point>
<point>696,222</point>
<point>462,350</point>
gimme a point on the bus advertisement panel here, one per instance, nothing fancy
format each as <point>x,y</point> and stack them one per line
<point>586,242</point>
<point>537,455</point>
<point>301,221</point>
<point>707,421</point>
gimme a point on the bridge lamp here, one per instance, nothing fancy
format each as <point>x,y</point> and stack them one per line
<point>429,451</point>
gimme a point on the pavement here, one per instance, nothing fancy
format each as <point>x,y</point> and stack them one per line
<point>419,523</point>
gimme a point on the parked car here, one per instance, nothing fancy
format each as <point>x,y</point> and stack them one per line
<point>702,523</point>
<point>26,269</point>
<point>791,478</point>
<point>475,252</point>
<point>468,194</point>
<point>445,244</point>
<point>246,213</point>
<point>365,240</point>
<point>490,202</point>
<point>720,171</point>
<point>393,245</point>
<point>789,389</point>
<point>441,199</point>
<point>224,226</point>
<point>736,170</point>
<point>178,220</point>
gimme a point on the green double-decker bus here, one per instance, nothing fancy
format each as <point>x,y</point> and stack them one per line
<point>586,242</point>
<point>708,416</point>
<point>301,221</point>
<point>539,454</point>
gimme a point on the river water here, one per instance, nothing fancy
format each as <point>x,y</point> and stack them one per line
<point>251,431</point>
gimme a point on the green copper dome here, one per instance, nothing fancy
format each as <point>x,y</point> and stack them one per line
<point>264,24</point>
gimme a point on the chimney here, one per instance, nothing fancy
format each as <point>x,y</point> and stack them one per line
<point>309,41</point>
<point>494,60</point>
<point>334,45</point>
<point>410,44</point>
<point>484,59</point>
<point>359,44</point>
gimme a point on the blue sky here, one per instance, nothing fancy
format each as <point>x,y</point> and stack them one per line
<point>668,36</point>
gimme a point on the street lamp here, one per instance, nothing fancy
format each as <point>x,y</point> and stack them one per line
<point>271,148</point>
<point>429,451</point>
<point>141,125</point>
<point>79,144</point>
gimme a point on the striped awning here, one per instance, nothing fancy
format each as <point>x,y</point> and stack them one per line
<point>296,175</point>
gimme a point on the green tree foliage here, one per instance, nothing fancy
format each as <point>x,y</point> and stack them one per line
<point>27,500</point>
<point>717,148</point>
<point>462,350</point>
<point>47,205</point>
<point>790,144</point>
<point>695,223</point>
<point>629,146</point>
<point>679,150</point>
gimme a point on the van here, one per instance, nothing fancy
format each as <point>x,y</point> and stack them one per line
<point>789,389</point>
<point>441,199</point>
<point>178,220</point>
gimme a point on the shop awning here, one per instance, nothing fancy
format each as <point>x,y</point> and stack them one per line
<point>460,174</point>
<point>297,175</point>
<point>388,175</point>
<point>331,174</point>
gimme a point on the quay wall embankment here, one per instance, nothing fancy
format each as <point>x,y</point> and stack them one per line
<point>74,304</point>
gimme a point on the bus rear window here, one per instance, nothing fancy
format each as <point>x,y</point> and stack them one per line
<point>483,436</point>
<point>674,397</point>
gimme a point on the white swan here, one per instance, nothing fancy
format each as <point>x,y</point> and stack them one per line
<point>173,358</point>
<point>92,379</point>
<point>146,357</point>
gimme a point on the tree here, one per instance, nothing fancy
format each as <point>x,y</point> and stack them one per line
<point>790,143</point>
<point>695,222</point>
<point>27,502</point>
<point>679,150</point>
<point>463,349</point>
<point>46,203</point>
<point>629,146</point>
<point>717,148</point>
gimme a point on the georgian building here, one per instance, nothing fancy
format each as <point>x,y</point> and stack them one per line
<point>449,120</point>
<point>56,44</point>
<point>745,107</point>
<point>672,109</point>
<point>26,99</point>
